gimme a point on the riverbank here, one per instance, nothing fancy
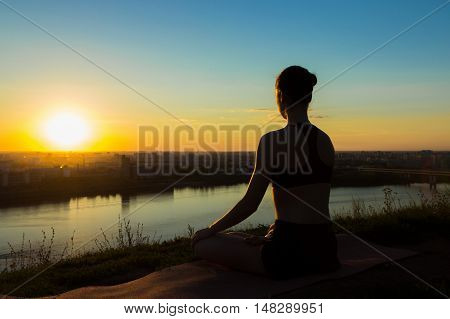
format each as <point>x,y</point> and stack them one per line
<point>62,189</point>
<point>130,254</point>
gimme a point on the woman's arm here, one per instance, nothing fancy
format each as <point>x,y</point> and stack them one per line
<point>247,205</point>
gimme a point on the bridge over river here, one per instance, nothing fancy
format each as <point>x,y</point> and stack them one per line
<point>431,174</point>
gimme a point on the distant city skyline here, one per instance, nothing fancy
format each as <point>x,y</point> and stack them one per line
<point>216,63</point>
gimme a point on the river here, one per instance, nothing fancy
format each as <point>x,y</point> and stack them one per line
<point>163,216</point>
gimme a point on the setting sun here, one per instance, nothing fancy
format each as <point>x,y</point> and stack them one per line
<point>66,130</point>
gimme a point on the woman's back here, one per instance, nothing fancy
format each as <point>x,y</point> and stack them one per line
<point>299,161</point>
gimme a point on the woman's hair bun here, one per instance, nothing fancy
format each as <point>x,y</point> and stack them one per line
<point>296,82</point>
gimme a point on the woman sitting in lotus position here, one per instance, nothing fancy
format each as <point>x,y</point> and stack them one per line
<point>298,161</point>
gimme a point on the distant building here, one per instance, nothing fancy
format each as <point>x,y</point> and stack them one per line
<point>4,178</point>
<point>125,166</point>
<point>428,159</point>
<point>66,171</point>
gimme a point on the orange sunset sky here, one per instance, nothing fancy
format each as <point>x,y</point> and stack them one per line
<point>215,65</point>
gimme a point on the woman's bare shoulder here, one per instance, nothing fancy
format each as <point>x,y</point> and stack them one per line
<point>271,136</point>
<point>325,147</point>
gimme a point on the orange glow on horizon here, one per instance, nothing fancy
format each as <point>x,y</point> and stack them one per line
<point>78,129</point>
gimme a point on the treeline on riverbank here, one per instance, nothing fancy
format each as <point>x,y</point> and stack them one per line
<point>63,189</point>
<point>129,254</point>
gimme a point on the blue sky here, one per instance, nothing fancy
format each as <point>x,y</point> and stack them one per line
<point>201,59</point>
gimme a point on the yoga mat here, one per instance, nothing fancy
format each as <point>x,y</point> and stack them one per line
<point>202,279</point>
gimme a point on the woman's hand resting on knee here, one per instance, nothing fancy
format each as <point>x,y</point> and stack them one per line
<point>259,240</point>
<point>202,234</point>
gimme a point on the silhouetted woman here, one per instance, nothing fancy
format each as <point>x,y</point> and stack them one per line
<point>298,161</point>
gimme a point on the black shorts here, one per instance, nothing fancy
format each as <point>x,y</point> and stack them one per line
<point>297,249</point>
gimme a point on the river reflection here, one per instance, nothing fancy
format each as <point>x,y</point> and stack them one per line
<point>166,215</point>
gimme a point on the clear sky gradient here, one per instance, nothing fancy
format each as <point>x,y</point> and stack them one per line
<point>215,62</point>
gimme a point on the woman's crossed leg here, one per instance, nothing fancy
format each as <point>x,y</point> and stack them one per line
<point>232,250</point>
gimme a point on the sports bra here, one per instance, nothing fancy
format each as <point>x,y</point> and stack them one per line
<point>288,165</point>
